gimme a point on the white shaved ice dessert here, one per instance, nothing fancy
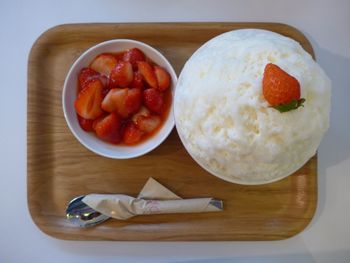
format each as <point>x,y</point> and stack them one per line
<point>225,122</point>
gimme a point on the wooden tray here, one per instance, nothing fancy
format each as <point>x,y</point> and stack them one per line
<point>60,168</point>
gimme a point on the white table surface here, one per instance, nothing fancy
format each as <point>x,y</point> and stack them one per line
<point>325,23</point>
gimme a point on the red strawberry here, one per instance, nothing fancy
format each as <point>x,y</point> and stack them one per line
<point>149,123</point>
<point>133,55</point>
<point>147,73</point>
<point>142,112</point>
<point>104,64</point>
<point>122,75</point>
<point>153,100</point>
<point>105,91</point>
<point>114,100</point>
<point>119,56</point>
<point>137,81</point>
<point>132,134</point>
<point>104,80</point>
<point>163,78</point>
<point>85,124</point>
<point>106,88</point>
<point>86,75</point>
<point>108,128</point>
<point>88,102</point>
<point>123,101</point>
<point>281,90</point>
<point>133,102</point>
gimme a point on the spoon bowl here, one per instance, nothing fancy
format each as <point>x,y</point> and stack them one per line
<point>80,214</point>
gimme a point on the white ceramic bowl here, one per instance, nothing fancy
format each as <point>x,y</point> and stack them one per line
<point>89,139</point>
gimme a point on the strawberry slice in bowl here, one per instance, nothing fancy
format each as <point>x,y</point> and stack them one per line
<point>153,100</point>
<point>163,78</point>
<point>104,99</point>
<point>109,128</point>
<point>133,55</point>
<point>132,134</point>
<point>121,75</point>
<point>85,124</point>
<point>86,75</point>
<point>148,123</point>
<point>88,102</point>
<point>148,74</point>
<point>104,64</point>
<point>125,101</point>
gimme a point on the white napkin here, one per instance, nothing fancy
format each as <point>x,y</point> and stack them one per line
<point>154,198</point>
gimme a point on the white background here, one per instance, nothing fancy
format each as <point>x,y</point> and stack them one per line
<point>325,23</point>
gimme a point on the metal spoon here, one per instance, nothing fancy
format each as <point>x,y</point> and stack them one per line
<point>80,214</point>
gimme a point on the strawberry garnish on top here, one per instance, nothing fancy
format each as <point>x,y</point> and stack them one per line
<point>88,102</point>
<point>281,90</point>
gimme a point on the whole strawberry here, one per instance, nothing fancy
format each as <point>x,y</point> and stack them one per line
<point>281,90</point>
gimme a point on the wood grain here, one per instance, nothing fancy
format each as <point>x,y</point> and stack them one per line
<point>59,168</point>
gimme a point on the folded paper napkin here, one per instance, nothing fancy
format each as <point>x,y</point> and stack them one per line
<point>154,198</point>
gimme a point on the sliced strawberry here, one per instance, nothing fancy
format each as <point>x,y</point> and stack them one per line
<point>142,112</point>
<point>105,91</point>
<point>133,55</point>
<point>108,128</point>
<point>119,56</point>
<point>86,75</point>
<point>88,102</point>
<point>94,122</point>
<point>163,78</point>
<point>85,124</point>
<point>121,76</point>
<point>149,123</point>
<point>114,100</point>
<point>104,80</point>
<point>104,64</point>
<point>147,73</point>
<point>137,81</point>
<point>153,100</point>
<point>132,134</point>
<point>106,88</point>
<point>133,102</point>
<point>123,101</point>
